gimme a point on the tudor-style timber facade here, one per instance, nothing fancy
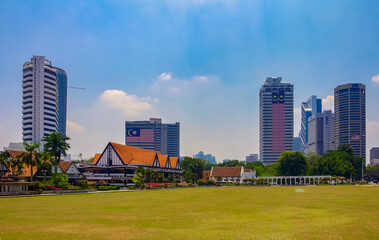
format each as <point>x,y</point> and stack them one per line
<point>118,162</point>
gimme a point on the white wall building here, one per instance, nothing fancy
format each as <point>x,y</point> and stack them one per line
<point>40,110</point>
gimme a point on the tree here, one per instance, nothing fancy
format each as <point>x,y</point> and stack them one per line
<point>189,176</point>
<point>139,177</point>
<point>292,164</point>
<point>45,161</point>
<point>57,145</point>
<point>148,176</point>
<point>30,157</point>
<point>16,165</point>
<point>193,165</point>
<point>347,148</point>
<point>5,158</point>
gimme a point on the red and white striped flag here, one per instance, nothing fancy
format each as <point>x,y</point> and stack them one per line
<point>145,135</point>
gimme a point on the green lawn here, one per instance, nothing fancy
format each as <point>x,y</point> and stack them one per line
<point>321,212</point>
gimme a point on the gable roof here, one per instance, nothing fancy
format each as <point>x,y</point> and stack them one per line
<point>96,158</point>
<point>65,165</point>
<point>163,160</point>
<point>174,161</point>
<point>226,171</point>
<point>27,170</point>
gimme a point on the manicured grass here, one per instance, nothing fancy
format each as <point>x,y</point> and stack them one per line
<point>321,212</point>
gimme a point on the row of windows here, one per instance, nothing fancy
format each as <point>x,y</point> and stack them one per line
<point>49,71</point>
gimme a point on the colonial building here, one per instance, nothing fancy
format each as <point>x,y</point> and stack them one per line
<point>118,162</point>
<point>231,174</point>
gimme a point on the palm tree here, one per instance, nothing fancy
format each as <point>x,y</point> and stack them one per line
<point>30,156</point>
<point>57,145</point>
<point>5,160</point>
<point>45,162</point>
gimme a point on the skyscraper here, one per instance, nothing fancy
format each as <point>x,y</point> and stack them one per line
<point>154,135</point>
<point>350,117</point>
<point>321,133</point>
<point>43,110</point>
<point>275,119</point>
<point>208,157</point>
<point>309,108</point>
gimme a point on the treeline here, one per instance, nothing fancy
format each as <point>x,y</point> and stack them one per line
<point>340,162</point>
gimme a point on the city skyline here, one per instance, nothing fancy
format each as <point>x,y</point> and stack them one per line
<point>195,62</point>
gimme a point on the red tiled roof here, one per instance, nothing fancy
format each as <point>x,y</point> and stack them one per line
<point>174,161</point>
<point>162,160</point>
<point>65,165</point>
<point>27,170</point>
<point>226,171</point>
<point>247,170</point>
<point>96,158</point>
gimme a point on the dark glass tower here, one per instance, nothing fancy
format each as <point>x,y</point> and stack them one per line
<point>350,117</point>
<point>62,100</point>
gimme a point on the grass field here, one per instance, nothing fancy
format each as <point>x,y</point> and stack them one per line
<point>321,212</point>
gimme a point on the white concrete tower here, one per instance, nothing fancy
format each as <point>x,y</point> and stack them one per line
<point>40,100</point>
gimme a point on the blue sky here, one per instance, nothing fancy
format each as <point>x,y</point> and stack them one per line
<point>197,62</point>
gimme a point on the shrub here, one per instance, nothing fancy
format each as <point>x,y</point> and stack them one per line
<point>38,187</point>
<point>210,182</point>
<point>83,184</point>
<point>229,184</point>
<point>200,182</point>
<point>132,187</point>
<point>59,180</point>
<point>106,188</point>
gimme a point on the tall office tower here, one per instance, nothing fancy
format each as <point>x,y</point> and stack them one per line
<point>350,117</point>
<point>154,135</point>
<point>275,119</point>
<point>315,134</point>
<point>374,156</point>
<point>62,100</point>
<point>296,144</point>
<point>309,108</point>
<point>328,127</point>
<point>41,98</point>
<point>321,133</point>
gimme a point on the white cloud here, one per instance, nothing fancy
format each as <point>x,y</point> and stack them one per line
<point>328,103</point>
<point>165,76</point>
<point>375,78</point>
<point>166,81</point>
<point>130,105</point>
<point>74,127</point>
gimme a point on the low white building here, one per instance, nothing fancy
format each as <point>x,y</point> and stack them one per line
<point>231,174</point>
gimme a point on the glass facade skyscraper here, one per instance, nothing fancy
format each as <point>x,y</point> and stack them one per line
<point>62,100</point>
<point>309,108</point>
<point>350,117</point>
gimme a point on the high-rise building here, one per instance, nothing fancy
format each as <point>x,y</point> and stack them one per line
<point>328,130</point>
<point>206,157</point>
<point>350,117</point>
<point>275,119</point>
<point>374,156</point>
<point>309,108</point>
<point>320,133</point>
<point>43,88</point>
<point>252,158</point>
<point>154,135</point>
<point>296,144</point>
<point>62,100</point>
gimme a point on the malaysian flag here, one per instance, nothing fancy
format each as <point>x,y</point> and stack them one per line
<point>139,135</point>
